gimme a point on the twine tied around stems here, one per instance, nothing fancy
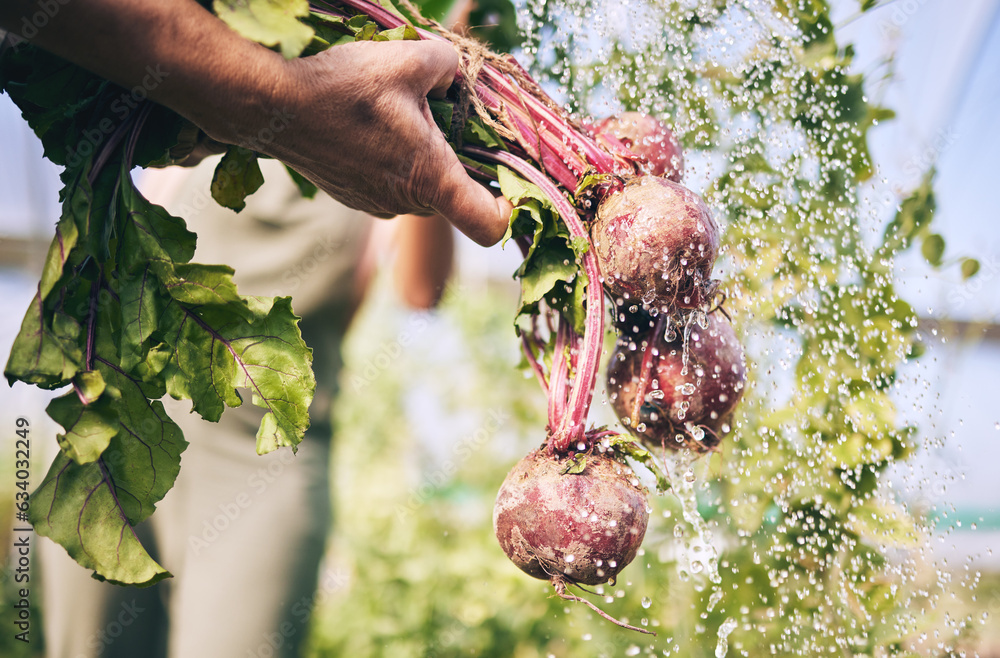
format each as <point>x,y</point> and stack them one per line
<point>474,56</point>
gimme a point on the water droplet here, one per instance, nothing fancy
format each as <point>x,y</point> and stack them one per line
<point>646,602</point>
<point>722,647</point>
<point>686,388</point>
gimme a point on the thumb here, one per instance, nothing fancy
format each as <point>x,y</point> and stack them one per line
<point>470,207</point>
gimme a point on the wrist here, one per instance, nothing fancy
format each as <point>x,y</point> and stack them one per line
<point>244,99</point>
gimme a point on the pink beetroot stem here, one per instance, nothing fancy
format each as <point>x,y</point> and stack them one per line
<point>571,429</point>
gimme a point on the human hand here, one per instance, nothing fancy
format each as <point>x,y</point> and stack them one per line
<point>356,122</point>
<point>353,119</point>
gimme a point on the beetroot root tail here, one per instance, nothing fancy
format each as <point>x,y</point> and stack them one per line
<point>560,586</point>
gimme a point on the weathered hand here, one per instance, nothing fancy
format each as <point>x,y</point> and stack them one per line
<point>355,120</point>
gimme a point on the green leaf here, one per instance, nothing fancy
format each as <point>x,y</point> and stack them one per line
<point>141,300</point>
<point>236,177</point>
<point>144,458</point>
<point>332,22</point>
<point>215,351</point>
<point>401,33</point>
<point>442,111</point>
<point>914,216</point>
<point>76,506</point>
<point>626,446</point>
<point>89,386</point>
<point>551,269</point>
<point>306,187</point>
<point>89,427</point>
<point>116,278</point>
<point>44,354</point>
<point>273,23</point>
<point>970,267</point>
<point>92,207</point>
<point>576,465</point>
<point>358,22</point>
<point>884,523</point>
<point>198,285</point>
<point>516,189</point>
<point>165,247</point>
<point>592,180</point>
<point>580,245</point>
<point>59,252</point>
<point>160,132</point>
<point>554,275</point>
<point>367,33</point>
<point>933,249</point>
<point>330,31</point>
<point>544,272</point>
<point>56,98</point>
<point>90,509</point>
<point>479,134</point>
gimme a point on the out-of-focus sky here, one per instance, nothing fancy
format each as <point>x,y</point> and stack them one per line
<point>946,93</point>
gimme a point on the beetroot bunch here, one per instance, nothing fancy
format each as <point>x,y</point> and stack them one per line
<point>677,372</point>
<point>599,213</point>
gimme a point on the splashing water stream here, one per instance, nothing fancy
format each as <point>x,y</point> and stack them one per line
<point>819,554</point>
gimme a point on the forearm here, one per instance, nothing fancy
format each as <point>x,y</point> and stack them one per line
<point>189,61</point>
<point>353,119</point>
<point>424,255</point>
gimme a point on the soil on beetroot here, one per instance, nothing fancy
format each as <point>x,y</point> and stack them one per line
<point>656,244</point>
<point>579,527</point>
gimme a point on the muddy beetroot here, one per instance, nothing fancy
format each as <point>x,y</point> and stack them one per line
<point>656,244</point>
<point>564,527</point>
<point>682,405</point>
<point>649,139</point>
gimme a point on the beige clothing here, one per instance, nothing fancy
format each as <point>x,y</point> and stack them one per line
<point>242,534</point>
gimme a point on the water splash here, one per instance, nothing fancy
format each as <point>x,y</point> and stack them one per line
<point>722,646</point>
<point>699,558</point>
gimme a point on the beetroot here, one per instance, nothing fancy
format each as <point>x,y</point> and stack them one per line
<point>682,405</point>
<point>649,139</point>
<point>656,244</point>
<point>565,527</point>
